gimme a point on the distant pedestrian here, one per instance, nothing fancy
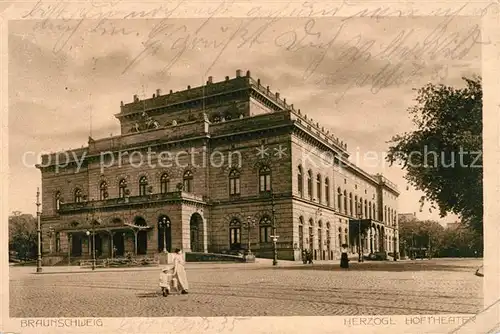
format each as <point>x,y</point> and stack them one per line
<point>309,257</point>
<point>344,260</point>
<point>304,256</point>
<point>180,271</point>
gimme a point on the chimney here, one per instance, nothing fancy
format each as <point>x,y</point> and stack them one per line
<point>170,91</point>
<point>210,79</point>
<point>189,87</point>
<point>238,73</point>
<point>154,95</point>
<point>121,103</point>
<point>227,78</point>
<point>158,92</point>
<point>267,89</point>
<point>136,98</point>
<point>248,74</point>
<point>258,82</point>
<point>277,95</point>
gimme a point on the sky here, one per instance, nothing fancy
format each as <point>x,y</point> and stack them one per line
<point>354,76</point>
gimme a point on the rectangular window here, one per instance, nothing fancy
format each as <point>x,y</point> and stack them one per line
<point>234,186</point>
<point>265,182</point>
<point>265,234</point>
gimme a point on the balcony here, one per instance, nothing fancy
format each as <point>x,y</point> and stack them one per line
<point>131,200</point>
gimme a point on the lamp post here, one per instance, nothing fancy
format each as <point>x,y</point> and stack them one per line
<point>317,213</point>
<point>164,223</point>
<point>359,214</point>
<point>249,225</point>
<point>39,233</point>
<point>93,222</point>
<point>395,244</point>
<point>274,236</point>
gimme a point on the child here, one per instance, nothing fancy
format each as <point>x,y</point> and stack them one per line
<point>167,280</point>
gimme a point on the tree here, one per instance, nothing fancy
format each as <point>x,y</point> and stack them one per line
<point>421,234</point>
<point>23,235</point>
<point>443,156</point>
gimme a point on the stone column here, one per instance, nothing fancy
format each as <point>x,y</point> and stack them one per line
<point>205,235</point>
<point>186,233</point>
<point>111,244</point>
<point>70,238</point>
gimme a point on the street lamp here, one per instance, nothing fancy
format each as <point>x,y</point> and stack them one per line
<point>274,236</point>
<point>359,214</point>
<point>93,222</point>
<point>39,233</point>
<point>395,244</point>
<point>249,225</point>
<point>164,223</point>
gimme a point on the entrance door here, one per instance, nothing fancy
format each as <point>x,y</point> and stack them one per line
<point>142,242</point>
<point>98,245</point>
<point>119,243</point>
<point>195,233</point>
<point>76,245</point>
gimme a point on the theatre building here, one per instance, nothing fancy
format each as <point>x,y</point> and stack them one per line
<point>214,169</point>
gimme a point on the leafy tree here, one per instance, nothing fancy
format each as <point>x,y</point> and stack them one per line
<point>443,156</point>
<point>23,235</point>
<point>421,234</point>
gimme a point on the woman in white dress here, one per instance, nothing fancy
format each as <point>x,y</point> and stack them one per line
<point>180,271</point>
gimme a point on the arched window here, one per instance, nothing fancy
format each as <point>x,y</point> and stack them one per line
<point>356,207</point>
<point>351,212</point>
<point>234,182</point>
<point>164,183</point>
<point>327,191</point>
<point>265,229</point>
<point>103,190</point>
<point>143,184</point>
<point>265,179</point>
<point>311,234</point>
<point>58,242</point>
<point>339,199</point>
<point>320,235</point>
<point>345,201</point>
<point>122,188</point>
<point>309,184</point>
<point>370,210</point>
<point>301,232</point>
<point>385,213</point>
<point>78,195</point>
<point>340,237</point>
<point>328,237</point>
<point>366,209</point>
<point>187,181</point>
<point>346,233</point>
<point>58,200</point>
<point>318,187</point>
<point>300,181</point>
<point>235,234</point>
<point>374,211</point>
<point>359,208</point>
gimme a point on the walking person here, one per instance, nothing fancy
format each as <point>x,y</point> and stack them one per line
<point>180,271</point>
<point>309,257</point>
<point>344,260</point>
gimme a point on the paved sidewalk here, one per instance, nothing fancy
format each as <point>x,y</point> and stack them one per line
<point>401,265</point>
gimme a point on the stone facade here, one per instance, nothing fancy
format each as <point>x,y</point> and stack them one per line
<point>213,169</point>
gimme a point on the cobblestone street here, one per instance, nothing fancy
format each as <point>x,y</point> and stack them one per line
<point>252,290</point>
